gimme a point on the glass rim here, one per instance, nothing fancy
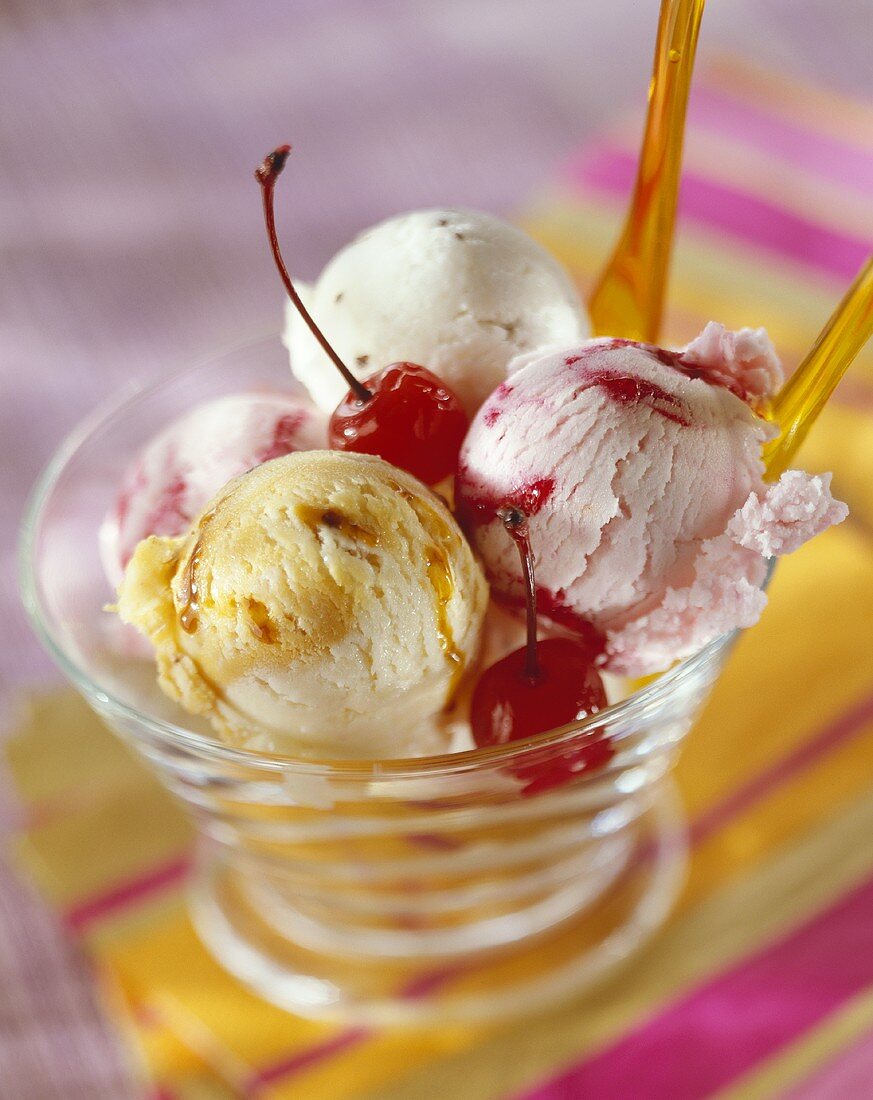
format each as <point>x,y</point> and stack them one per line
<point>373,769</point>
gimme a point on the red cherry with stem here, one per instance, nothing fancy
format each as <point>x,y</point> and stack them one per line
<point>412,420</point>
<point>540,687</point>
<point>404,413</point>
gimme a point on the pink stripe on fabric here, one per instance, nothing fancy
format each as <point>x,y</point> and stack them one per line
<point>810,151</point>
<point>420,987</point>
<point>707,1040</point>
<point>436,842</point>
<point>695,1016</point>
<point>299,1063</point>
<point>849,1076</point>
<point>835,733</point>
<point>430,982</point>
<point>736,213</point>
<point>80,916</point>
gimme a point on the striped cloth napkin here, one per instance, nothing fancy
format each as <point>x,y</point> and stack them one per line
<point>761,984</point>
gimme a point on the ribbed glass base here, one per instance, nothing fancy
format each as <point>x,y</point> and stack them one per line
<point>540,967</point>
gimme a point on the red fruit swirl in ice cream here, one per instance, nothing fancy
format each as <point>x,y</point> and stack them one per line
<point>528,497</point>
<point>627,390</point>
<point>286,437</point>
<point>180,469</point>
<point>658,523</point>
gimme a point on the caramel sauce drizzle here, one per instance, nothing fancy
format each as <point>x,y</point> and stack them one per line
<point>315,516</point>
<point>190,584</point>
<point>263,627</point>
<point>439,573</point>
<point>189,591</point>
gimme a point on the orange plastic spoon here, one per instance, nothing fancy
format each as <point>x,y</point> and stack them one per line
<point>628,299</point>
<point>798,404</point>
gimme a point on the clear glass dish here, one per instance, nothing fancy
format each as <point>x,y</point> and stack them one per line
<point>384,891</point>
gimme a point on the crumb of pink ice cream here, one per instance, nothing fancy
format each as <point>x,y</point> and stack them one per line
<point>726,590</point>
<point>785,515</point>
<point>745,361</point>
<point>725,594</point>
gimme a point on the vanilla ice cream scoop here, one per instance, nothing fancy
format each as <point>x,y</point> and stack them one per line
<point>183,467</point>
<point>456,291</point>
<point>641,471</point>
<point>325,604</point>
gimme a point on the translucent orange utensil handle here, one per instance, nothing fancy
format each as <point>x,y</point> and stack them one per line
<point>798,404</point>
<point>628,299</point>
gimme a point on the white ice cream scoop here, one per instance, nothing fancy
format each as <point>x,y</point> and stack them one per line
<point>457,291</point>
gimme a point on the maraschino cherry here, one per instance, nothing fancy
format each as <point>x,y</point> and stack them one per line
<point>540,687</point>
<point>404,413</point>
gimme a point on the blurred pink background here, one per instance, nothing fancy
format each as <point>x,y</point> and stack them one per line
<point>132,243</point>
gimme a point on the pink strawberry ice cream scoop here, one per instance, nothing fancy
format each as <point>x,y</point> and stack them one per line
<point>184,466</point>
<point>641,471</point>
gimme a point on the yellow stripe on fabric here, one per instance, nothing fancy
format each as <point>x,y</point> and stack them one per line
<point>732,162</point>
<point>166,965</point>
<point>114,1006</point>
<point>61,755</point>
<point>843,442</point>
<point>810,106</point>
<point>755,172</point>
<point>802,1058</point>
<point>200,1088</point>
<point>794,672</point>
<point>712,278</point>
<point>175,1067</point>
<point>167,962</point>
<point>103,846</point>
<point>793,809</point>
<point>134,827</point>
<point>94,816</point>
<point>741,917</point>
<point>193,1035</point>
<point>365,1068</point>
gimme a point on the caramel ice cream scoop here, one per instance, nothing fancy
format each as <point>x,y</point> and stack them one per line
<point>324,604</point>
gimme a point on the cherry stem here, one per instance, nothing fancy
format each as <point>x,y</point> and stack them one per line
<point>515,522</point>
<point>266,174</point>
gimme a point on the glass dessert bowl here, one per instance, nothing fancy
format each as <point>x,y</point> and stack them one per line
<point>470,885</point>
